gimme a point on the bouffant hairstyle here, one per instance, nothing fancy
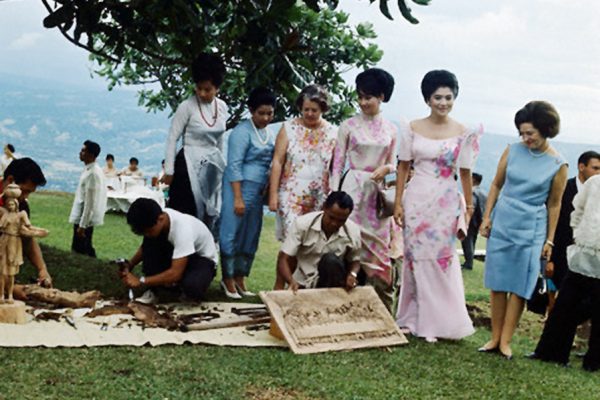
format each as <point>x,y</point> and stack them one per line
<point>134,160</point>
<point>542,115</point>
<point>110,157</point>
<point>433,80</point>
<point>375,82</point>
<point>314,93</point>
<point>260,96</point>
<point>208,67</point>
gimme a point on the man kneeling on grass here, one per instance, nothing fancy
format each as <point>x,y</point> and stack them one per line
<point>322,248</point>
<point>178,253</point>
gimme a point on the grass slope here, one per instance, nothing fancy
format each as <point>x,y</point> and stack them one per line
<point>416,371</point>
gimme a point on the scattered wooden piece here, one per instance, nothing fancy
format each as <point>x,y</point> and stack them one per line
<point>13,313</point>
<point>62,298</point>
<point>230,323</point>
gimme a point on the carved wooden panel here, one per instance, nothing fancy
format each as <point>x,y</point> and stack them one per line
<point>319,320</point>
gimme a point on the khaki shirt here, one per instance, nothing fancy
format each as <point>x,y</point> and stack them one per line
<point>307,242</point>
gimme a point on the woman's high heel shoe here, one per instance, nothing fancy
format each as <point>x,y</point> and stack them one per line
<point>243,292</point>
<point>231,295</point>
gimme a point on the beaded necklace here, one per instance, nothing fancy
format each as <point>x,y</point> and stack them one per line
<point>214,117</point>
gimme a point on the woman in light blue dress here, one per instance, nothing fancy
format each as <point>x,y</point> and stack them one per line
<point>249,154</point>
<point>520,219</point>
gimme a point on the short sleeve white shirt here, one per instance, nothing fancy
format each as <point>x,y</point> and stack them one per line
<point>189,235</point>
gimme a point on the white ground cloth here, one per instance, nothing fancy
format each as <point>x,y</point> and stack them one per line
<point>89,333</point>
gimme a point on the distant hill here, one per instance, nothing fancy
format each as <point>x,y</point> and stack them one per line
<point>49,122</point>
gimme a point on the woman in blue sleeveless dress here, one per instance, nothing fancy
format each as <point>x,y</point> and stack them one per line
<point>525,199</point>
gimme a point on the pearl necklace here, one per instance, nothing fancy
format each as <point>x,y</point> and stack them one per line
<point>262,141</point>
<point>214,117</point>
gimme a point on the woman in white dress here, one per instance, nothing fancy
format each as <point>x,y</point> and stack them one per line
<point>195,172</point>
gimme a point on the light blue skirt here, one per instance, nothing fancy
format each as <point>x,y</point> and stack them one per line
<point>514,247</point>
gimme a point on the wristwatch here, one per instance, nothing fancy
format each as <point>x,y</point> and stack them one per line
<point>354,274</point>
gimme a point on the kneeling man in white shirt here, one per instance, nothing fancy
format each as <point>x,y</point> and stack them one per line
<point>178,253</point>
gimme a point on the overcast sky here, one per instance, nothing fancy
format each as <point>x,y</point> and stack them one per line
<point>504,52</point>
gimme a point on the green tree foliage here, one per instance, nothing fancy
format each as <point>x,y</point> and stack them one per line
<point>283,44</point>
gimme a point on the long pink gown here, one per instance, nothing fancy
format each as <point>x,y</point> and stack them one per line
<point>364,144</point>
<point>432,299</point>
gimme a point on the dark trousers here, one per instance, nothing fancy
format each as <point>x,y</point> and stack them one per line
<point>332,271</point>
<point>83,245</point>
<point>578,300</point>
<point>157,254</point>
<point>181,197</point>
<point>468,246</point>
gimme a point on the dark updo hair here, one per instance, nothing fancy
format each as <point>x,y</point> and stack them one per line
<point>208,67</point>
<point>433,80</point>
<point>375,82</point>
<point>542,115</point>
<point>260,96</point>
<point>110,157</point>
<point>314,93</point>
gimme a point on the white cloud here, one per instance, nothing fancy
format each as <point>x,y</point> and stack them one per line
<point>25,41</point>
<point>7,122</point>
<point>63,166</point>
<point>33,130</point>
<point>504,54</point>
<point>62,137</point>
<point>101,125</point>
<point>9,132</point>
<point>154,148</point>
<point>147,133</point>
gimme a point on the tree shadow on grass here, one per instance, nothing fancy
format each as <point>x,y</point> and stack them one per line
<point>71,271</point>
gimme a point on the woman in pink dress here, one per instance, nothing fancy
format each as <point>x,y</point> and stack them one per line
<point>367,143</point>
<point>431,210</point>
<point>299,181</point>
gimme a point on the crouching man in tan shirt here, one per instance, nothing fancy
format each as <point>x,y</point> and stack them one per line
<point>322,248</point>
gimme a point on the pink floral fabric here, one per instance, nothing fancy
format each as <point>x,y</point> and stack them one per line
<point>304,181</point>
<point>431,302</point>
<point>364,144</point>
<point>432,202</point>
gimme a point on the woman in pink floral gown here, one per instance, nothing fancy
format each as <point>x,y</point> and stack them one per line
<point>367,144</point>
<point>299,181</point>
<point>432,301</point>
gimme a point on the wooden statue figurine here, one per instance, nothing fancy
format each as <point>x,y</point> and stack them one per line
<point>14,224</point>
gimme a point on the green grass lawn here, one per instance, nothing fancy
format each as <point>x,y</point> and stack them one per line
<point>416,371</point>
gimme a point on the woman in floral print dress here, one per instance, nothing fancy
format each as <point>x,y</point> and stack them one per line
<point>299,181</point>
<point>367,143</point>
<point>431,210</point>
